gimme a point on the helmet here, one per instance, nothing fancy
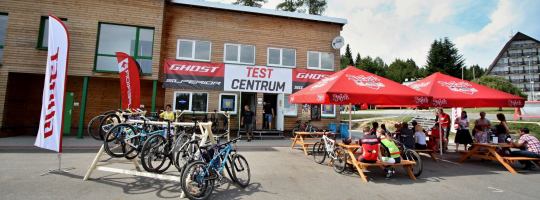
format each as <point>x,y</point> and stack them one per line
<point>347,141</point>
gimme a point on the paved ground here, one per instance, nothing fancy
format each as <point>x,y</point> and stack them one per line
<point>277,173</point>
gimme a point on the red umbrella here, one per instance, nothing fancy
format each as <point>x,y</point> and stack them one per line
<point>448,91</point>
<point>355,86</point>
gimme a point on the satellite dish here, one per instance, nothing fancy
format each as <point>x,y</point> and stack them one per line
<point>338,42</point>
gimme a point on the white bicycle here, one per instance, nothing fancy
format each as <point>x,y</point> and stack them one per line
<point>327,148</point>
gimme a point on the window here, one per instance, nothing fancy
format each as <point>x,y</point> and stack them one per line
<point>193,50</point>
<point>320,60</point>
<point>43,38</point>
<point>280,57</point>
<point>239,53</point>
<point>227,102</point>
<point>191,101</point>
<point>289,108</point>
<point>328,111</point>
<point>3,30</point>
<point>135,41</point>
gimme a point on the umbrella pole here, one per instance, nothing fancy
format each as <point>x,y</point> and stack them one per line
<point>350,120</point>
<point>440,136</point>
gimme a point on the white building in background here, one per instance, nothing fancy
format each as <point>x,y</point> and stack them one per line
<point>518,62</point>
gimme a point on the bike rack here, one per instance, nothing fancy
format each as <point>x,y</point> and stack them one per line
<point>206,130</point>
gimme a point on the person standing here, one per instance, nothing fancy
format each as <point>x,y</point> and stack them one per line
<point>168,114</point>
<point>463,136</point>
<point>444,120</point>
<point>268,115</point>
<point>502,129</point>
<point>531,146</point>
<point>481,128</point>
<point>247,122</point>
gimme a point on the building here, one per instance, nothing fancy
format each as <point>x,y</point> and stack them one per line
<point>168,37</point>
<point>519,62</point>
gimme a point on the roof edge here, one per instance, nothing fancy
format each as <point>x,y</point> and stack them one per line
<point>264,11</point>
<point>505,47</point>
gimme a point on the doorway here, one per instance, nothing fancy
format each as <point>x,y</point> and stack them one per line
<point>250,99</point>
<point>269,108</point>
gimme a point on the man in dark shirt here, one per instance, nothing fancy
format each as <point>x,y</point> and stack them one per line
<point>247,122</point>
<point>268,115</point>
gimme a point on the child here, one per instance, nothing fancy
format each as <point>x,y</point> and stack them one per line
<point>420,137</point>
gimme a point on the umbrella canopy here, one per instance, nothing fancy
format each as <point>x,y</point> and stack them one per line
<point>448,91</point>
<point>355,86</point>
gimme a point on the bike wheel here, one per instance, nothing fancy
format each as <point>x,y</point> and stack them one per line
<point>152,153</point>
<point>240,170</point>
<point>340,163</point>
<point>412,155</point>
<point>93,127</point>
<point>133,146</point>
<point>194,181</point>
<point>319,152</point>
<point>114,142</point>
<point>182,152</point>
<point>107,122</point>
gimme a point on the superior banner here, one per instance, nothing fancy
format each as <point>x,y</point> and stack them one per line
<point>243,78</point>
<point>52,107</point>
<point>193,75</point>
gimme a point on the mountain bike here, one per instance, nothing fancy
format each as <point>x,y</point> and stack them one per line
<point>304,127</point>
<point>327,148</point>
<point>199,177</point>
<point>93,125</point>
<point>407,154</point>
<point>126,140</point>
<point>120,116</point>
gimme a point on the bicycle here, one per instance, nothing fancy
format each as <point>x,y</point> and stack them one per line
<point>327,147</point>
<point>407,154</point>
<point>199,177</point>
<point>93,125</point>
<point>304,126</point>
<point>120,116</point>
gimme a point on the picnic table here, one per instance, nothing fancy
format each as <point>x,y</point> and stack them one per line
<point>489,152</point>
<point>360,166</point>
<point>301,137</point>
<point>429,152</point>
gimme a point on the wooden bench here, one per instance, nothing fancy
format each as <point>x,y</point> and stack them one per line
<point>300,137</point>
<point>514,159</point>
<point>406,164</point>
<point>430,152</point>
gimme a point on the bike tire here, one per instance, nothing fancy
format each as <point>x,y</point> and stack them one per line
<point>93,127</point>
<point>152,158</point>
<point>319,152</point>
<point>412,155</point>
<point>114,143</point>
<point>182,152</point>
<point>240,164</point>
<point>340,163</point>
<point>107,122</point>
<point>193,170</point>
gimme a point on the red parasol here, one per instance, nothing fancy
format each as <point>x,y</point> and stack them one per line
<point>355,86</point>
<point>448,91</point>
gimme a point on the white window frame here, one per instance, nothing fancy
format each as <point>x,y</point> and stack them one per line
<point>190,106</point>
<point>280,58</point>
<point>235,102</point>
<point>178,57</point>
<point>239,54</point>
<point>320,61</point>
<point>328,115</point>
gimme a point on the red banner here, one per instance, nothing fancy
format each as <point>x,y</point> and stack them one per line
<point>304,77</point>
<point>193,75</point>
<point>130,87</point>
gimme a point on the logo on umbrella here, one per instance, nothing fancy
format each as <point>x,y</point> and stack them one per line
<point>439,102</point>
<point>366,81</point>
<point>515,103</point>
<point>462,87</point>
<point>421,100</point>
<point>419,86</point>
<point>322,82</point>
<point>320,98</point>
<point>340,97</point>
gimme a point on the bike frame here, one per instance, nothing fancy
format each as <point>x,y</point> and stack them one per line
<point>329,145</point>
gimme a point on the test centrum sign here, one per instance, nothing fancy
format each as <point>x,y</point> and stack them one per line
<point>257,79</point>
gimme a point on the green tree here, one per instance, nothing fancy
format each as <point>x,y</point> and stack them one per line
<point>376,66</point>
<point>290,5</point>
<point>400,70</point>
<point>357,60</point>
<point>347,59</point>
<point>500,83</point>
<point>252,3</point>
<point>315,7</point>
<point>473,72</point>
<point>444,57</point>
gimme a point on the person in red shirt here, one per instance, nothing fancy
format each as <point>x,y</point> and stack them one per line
<point>444,120</point>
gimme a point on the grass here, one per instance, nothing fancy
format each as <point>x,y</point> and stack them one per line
<point>389,122</point>
<point>359,116</point>
<point>488,111</point>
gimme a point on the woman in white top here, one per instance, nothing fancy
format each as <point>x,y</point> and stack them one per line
<point>463,136</point>
<point>420,137</point>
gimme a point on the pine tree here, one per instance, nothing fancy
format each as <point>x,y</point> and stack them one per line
<point>357,60</point>
<point>290,5</point>
<point>401,70</point>
<point>347,59</point>
<point>444,57</point>
<point>252,3</point>
<point>315,7</point>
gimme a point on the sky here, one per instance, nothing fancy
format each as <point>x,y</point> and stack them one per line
<point>393,29</point>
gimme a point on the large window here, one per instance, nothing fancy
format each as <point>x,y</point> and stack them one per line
<point>43,37</point>
<point>3,30</point>
<point>328,111</point>
<point>289,108</point>
<point>239,53</point>
<point>135,41</point>
<point>227,102</point>
<point>191,101</point>
<point>320,60</point>
<point>196,50</point>
<point>280,57</point>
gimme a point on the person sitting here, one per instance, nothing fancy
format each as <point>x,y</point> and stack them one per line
<point>406,136</point>
<point>392,153</point>
<point>531,147</point>
<point>420,138</point>
<point>370,147</point>
<point>374,128</point>
<point>481,136</point>
<point>384,130</point>
<point>434,136</point>
<point>168,114</point>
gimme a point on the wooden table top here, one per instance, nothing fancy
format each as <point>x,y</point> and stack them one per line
<point>492,145</point>
<point>349,146</point>
<point>314,133</point>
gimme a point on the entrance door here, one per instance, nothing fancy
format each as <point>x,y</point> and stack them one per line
<point>250,99</point>
<point>280,111</point>
<point>270,107</point>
